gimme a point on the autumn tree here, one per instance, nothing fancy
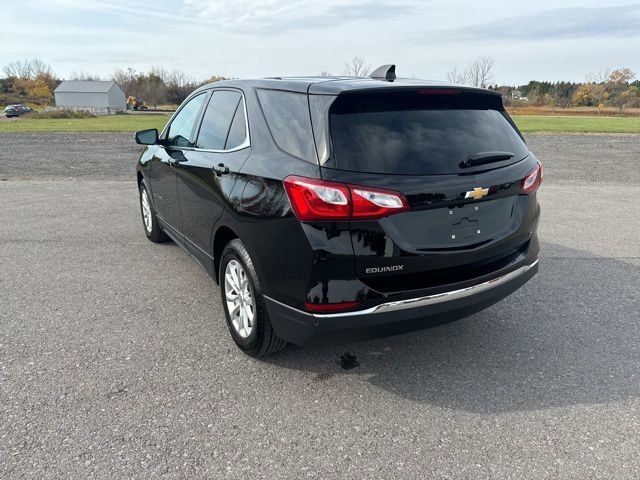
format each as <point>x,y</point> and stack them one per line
<point>179,86</point>
<point>457,77</point>
<point>159,85</point>
<point>27,69</point>
<point>38,90</point>
<point>83,76</point>
<point>477,74</point>
<point>155,87</point>
<point>618,89</point>
<point>32,79</point>
<point>216,78</point>
<point>621,76</point>
<point>587,95</point>
<point>357,67</point>
<point>480,72</point>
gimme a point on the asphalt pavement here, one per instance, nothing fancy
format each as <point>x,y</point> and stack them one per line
<point>115,361</point>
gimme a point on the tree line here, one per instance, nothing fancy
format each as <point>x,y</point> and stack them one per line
<point>34,81</point>
<point>609,88</point>
<point>606,88</point>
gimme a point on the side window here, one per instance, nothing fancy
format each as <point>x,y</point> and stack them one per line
<point>238,130</point>
<point>287,115</point>
<point>181,131</point>
<point>217,119</point>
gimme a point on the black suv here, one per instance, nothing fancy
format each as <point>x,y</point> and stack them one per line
<point>335,209</point>
<point>16,110</point>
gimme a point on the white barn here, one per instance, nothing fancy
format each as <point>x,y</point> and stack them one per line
<point>98,97</point>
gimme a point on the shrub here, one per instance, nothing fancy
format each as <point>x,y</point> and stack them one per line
<point>64,114</point>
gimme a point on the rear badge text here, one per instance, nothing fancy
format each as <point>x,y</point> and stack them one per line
<point>394,268</point>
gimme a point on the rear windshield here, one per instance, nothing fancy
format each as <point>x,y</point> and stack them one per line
<point>418,132</point>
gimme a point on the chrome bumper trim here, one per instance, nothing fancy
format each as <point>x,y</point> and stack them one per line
<point>427,300</point>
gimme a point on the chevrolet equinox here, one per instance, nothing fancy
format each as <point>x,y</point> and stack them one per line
<point>335,209</point>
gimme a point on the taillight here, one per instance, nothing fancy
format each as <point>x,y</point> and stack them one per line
<point>374,203</point>
<point>314,199</point>
<point>531,182</point>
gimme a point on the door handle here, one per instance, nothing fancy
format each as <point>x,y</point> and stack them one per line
<point>221,169</point>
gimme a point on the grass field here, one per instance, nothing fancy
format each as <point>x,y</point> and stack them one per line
<point>560,124</point>
<point>130,123</point>
<point>111,123</point>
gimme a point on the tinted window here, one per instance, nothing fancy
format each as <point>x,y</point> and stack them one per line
<point>418,133</point>
<point>217,119</point>
<point>181,131</point>
<point>237,132</point>
<point>287,115</point>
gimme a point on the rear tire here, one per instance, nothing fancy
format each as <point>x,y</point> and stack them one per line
<point>149,221</point>
<point>244,307</point>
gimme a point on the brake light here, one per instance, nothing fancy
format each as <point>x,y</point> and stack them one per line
<point>330,307</point>
<point>314,199</point>
<point>439,91</point>
<point>533,179</point>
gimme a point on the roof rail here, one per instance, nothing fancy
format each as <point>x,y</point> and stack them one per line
<point>384,72</point>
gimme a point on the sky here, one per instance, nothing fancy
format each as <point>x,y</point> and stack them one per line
<point>543,40</point>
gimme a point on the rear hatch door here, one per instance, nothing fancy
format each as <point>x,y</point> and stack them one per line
<point>458,160</point>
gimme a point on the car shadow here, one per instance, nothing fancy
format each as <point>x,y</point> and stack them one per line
<point>569,336</point>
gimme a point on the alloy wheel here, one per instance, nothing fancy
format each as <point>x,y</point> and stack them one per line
<point>146,211</point>
<point>240,302</point>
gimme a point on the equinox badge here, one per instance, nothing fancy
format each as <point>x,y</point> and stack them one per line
<point>477,193</point>
<point>394,268</point>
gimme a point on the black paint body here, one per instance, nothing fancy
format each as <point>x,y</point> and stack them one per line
<point>326,262</point>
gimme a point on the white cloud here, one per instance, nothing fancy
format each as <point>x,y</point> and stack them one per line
<point>255,13</point>
<point>279,15</point>
<point>251,38</point>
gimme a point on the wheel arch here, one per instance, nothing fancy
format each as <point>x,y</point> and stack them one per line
<point>223,235</point>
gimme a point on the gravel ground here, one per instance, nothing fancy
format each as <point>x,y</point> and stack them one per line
<point>575,158</point>
<point>82,156</point>
<point>115,361</point>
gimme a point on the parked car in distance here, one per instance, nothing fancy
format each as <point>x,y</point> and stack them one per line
<point>16,110</point>
<point>337,209</point>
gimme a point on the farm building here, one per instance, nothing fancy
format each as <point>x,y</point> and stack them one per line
<point>97,97</point>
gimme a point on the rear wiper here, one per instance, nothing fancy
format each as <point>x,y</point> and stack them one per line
<point>481,158</point>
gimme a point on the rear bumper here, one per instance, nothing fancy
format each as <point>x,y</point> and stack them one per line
<point>391,318</point>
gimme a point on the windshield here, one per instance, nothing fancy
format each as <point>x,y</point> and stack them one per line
<point>414,133</point>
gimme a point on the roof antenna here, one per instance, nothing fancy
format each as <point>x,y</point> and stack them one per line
<point>384,72</point>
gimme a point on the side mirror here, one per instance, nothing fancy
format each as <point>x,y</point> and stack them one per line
<point>147,137</point>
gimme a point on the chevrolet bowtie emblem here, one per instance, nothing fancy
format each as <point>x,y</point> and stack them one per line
<point>477,193</point>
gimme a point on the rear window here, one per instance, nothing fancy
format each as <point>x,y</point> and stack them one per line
<point>418,132</point>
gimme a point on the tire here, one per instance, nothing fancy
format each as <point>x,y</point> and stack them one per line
<point>149,222</point>
<point>253,334</point>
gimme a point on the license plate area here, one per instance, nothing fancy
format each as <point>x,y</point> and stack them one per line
<point>476,222</point>
<point>466,223</point>
<point>459,227</point>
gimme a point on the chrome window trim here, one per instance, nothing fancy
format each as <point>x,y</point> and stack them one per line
<point>165,131</point>
<point>426,300</point>
<point>247,138</point>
